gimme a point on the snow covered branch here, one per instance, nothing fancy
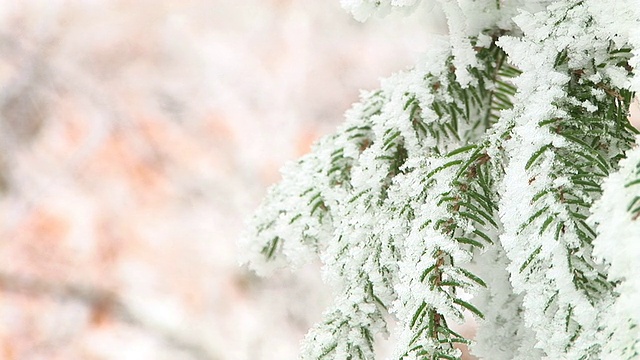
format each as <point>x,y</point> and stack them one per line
<point>465,185</point>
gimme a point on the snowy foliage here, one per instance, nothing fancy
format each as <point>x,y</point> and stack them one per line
<point>497,178</point>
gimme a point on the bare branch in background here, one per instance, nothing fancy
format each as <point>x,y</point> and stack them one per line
<point>105,302</point>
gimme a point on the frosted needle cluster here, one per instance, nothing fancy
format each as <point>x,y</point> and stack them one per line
<point>499,178</point>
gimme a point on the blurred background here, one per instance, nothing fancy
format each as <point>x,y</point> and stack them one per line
<point>136,136</point>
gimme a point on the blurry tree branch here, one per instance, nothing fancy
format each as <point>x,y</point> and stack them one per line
<point>105,301</point>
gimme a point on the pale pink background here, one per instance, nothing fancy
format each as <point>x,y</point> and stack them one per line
<point>135,138</point>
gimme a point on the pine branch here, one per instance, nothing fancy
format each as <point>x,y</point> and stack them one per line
<point>295,219</point>
<point>566,148</point>
<point>466,184</point>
